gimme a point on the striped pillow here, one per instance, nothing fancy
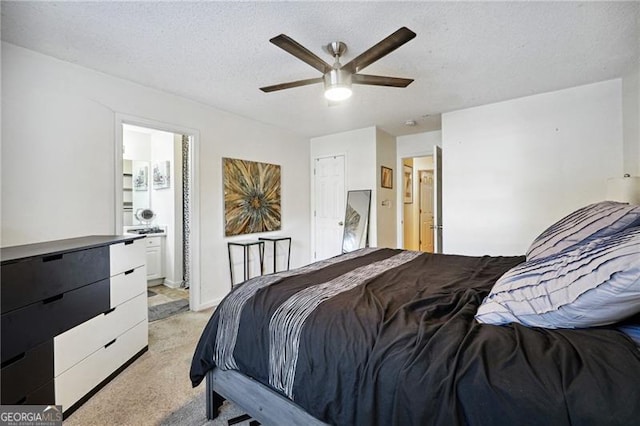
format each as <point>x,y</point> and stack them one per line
<point>597,283</point>
<point>593,221</point>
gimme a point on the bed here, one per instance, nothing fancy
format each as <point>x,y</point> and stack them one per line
<point>390,337</point>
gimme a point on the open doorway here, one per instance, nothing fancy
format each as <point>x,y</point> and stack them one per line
<point>418,214</point>
<point>422,207</point>
<point>155,176</point>
<point>425,210</point>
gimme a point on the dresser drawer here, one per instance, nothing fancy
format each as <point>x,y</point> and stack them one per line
<point>26,373</point>
<point>153,241</point>
<point>78,343</point>
<point>126,255</point>
<point>38,278</point>
<point>128,284</point>
<point>25,328</point>
<point>77,381</point>
<point>44,395</point>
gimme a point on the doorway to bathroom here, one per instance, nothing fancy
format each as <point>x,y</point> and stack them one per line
<point>156,197</point>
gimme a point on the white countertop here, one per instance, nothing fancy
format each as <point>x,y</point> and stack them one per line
<point>130,230</point>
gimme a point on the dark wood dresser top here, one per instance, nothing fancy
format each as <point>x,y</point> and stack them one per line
<point>27,251</point>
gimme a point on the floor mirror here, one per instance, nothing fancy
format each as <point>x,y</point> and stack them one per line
<point>356,220</point>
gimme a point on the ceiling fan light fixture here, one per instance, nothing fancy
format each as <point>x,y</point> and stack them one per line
<point>337,78</point>
<point>337,85</point>
<point>338,93</point>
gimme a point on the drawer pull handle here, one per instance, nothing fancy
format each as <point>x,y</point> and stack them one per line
<point>21,401</point>
<point>110,343</point>
<point>52,299</point>
<point>52,258</point>
<point>13,360</point>
<point>129,272</point>
<point>109,311</point>
<point>126,243</point>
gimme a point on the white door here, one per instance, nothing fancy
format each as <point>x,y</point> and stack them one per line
<point>437,199</point>
<point>426,210</point>
<point>329,199</point>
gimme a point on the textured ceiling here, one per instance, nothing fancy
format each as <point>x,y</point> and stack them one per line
<point>217,53</point>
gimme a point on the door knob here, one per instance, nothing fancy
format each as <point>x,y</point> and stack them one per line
<point>340,223</point>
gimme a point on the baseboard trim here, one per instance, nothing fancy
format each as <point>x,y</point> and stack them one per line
<point>155,282</point>
<point>207,305</point>
<point>172,284</point>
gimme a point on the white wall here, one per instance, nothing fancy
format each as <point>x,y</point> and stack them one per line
<point>163,202</point>
<point>136,147</point>
<point>149,146</point>
<point>512,168</point>
<point>58,158</point>
<point>386,214</point>
<point>410,146</point>
<point>631,123</point>
<point>359,149</point>
<point>418,144</point>
<point>365,151</point>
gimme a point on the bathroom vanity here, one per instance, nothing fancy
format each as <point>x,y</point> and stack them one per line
<point>155,251</point>
<point>74,315</point>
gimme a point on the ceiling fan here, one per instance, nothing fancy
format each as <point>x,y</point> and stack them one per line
<point>338,78</point>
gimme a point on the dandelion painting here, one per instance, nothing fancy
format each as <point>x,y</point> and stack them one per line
<point>251,197</point>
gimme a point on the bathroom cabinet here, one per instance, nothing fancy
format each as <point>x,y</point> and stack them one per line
<point>74,314</point>
<point>155,256</point>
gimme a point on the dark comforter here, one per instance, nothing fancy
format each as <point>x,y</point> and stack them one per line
<point>383,337</point>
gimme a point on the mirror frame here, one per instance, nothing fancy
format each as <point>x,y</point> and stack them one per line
<point>361,234</point>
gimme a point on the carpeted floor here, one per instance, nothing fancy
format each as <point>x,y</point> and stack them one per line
<point>155,389</point>
<point>194,414</point>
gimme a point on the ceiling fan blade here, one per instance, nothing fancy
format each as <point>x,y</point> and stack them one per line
<point>299,51</point>
<point>378,80</point>
<point>381,49</point>
<point>291,84</point>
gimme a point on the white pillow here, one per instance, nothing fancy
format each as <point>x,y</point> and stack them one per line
<point>597,283</point>
<point>590,222</point>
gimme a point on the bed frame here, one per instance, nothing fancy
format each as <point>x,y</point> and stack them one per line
<point>259,401</point>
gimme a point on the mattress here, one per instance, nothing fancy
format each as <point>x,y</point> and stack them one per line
<point>388,337</point>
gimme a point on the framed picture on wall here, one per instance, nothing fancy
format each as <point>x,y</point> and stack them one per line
<point>407,181</point>
<point>251,197</point>
<point>386,177</point>
<point>161,175</point>
<point>140,177</point>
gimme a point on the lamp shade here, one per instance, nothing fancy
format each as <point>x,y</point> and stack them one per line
<point>625,189</point>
